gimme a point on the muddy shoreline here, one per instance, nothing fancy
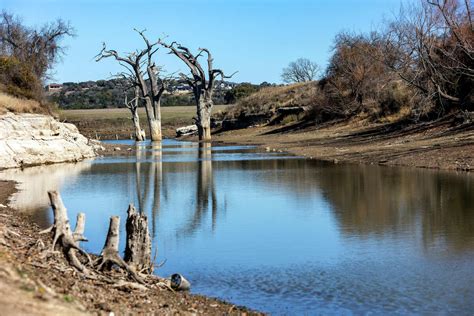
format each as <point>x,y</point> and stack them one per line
<point>37,285</point>
<point>443,144</point>
<point>438,145</point>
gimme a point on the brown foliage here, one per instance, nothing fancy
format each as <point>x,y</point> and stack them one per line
<point>19,80</point>
<point>26,55</point>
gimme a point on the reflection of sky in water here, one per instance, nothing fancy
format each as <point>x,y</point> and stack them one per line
<point>280,233</point>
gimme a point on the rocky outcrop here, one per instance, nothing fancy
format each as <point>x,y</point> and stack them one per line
<point>33,139</point>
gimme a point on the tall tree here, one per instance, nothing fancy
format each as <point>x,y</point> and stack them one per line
<point>301,70</point>
<point>203,85</point>
<point>140,65</point>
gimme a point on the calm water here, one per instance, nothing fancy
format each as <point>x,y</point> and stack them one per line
<point>279,233</point>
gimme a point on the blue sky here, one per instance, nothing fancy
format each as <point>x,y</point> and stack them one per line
<point>258,38</point>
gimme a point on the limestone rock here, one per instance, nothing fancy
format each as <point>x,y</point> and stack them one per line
<point>33,139</point>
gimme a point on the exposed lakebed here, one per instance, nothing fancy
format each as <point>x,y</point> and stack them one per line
<point>280,233</point>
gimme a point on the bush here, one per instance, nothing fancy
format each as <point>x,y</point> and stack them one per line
<point>18,79</point>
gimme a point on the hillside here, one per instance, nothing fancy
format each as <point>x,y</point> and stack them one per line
<point>110,94</point>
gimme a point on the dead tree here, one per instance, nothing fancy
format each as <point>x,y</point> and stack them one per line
<point>63,238</point>
<point>203,85</point>
<point>140,65</point>
<point>132,105</point>
<point>110,255</point>
<point>138,247</point>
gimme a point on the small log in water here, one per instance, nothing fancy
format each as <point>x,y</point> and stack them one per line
<point>138,246</point>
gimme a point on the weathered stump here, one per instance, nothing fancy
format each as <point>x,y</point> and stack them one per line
<point>63,238</point>
<point>138,246</point>
<point>110,255</point>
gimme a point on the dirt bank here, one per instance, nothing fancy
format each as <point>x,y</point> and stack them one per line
<point>36,285</point>
<point>442,144</point>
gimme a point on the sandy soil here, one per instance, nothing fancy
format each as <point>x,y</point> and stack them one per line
<point>34,284</point>
<point>441,144</point>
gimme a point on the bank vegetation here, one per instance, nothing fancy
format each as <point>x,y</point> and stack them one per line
<point>418,67</point>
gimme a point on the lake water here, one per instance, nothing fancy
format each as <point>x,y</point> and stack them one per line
<point>280,233</point>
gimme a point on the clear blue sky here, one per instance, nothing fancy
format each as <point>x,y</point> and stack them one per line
<point>256,37</point>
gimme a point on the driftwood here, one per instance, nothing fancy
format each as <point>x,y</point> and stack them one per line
<point>138,247</point>
<point>137,254</point>
<point>63,238</point>
<point>110,255</point>
<point>187,130</point>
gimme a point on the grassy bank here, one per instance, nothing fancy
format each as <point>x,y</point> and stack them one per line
<point>112,123</point>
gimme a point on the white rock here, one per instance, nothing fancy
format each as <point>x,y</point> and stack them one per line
<point>32,139</point>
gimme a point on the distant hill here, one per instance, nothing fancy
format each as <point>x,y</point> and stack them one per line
<point>110,94</point>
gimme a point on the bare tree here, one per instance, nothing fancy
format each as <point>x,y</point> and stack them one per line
<point>132,105</point>
<point>301,70</point>
<point>141,66</point>
<point>203,85</point>
<point>434,44</point>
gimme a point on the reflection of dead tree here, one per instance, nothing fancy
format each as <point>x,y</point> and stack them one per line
<point>205,191</point>
<point>203,85</point>
<point>156,174</point>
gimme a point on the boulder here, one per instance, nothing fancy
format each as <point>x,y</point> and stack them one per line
<point>33,139</point>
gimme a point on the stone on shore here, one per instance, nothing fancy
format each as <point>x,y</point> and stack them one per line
<point>33,139</point>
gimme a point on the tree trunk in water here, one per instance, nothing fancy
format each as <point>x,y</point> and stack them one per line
<point>155,129</point>
<point>138,247</point>
<point>139,133</point>
<point>204,108</point>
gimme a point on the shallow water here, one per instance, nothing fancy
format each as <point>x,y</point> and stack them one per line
<point>280,233</point>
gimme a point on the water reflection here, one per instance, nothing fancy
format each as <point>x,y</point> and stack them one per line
<point>274,231</point>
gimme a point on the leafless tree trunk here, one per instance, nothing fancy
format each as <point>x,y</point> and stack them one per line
<point>203,85</point>
<point>63,237</point>
<point>138,247</point>
<point>133,107</point>
<point>110,255</point>
<point>135,65</point>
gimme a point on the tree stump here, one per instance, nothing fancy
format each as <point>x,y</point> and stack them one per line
<point>63,238</point>
<point>138,246</point>
<point>110,255</point>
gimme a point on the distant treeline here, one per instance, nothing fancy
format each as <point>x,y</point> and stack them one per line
<point>111,94</point>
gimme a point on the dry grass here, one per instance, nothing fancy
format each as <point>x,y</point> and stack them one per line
<point>267,100</point>
<point>9,103</point>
